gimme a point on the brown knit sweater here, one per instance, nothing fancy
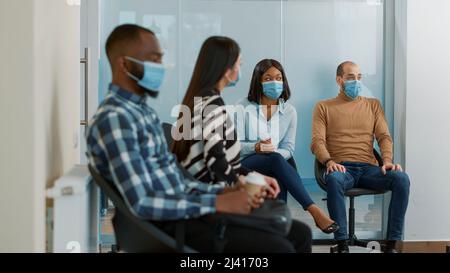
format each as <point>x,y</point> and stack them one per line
<point>344,130</point>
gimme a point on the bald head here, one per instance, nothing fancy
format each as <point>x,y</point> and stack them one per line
<point>343,67</point>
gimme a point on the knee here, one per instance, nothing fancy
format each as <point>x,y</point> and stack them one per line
<point>335,181</point>
<point>276,159</point>
<point>276,162</point>
<point>401,181</point>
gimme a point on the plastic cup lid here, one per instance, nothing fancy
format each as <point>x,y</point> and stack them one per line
<point>255,179</point>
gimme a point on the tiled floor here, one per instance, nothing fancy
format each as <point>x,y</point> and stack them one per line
<point>326,249</point>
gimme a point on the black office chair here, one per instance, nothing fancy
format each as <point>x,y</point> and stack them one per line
<point>292,162</point>
<point>320,172</point>
<point>167,127</point>
<point>135,235</point>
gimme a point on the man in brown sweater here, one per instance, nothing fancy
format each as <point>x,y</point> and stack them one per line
<point>344,130</point>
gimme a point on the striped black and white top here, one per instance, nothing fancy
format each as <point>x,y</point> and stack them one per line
<point>214,155</point>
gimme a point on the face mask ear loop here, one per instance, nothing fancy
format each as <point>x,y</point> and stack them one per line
<point>228,77</point>
<point>132,76</point>
<point>135,61</point>
<point>343,85</point>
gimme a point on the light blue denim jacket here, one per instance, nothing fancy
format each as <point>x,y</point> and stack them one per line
<point>253,127</point>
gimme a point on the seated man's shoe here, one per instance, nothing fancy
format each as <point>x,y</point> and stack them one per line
<point>342,247</point>
<point>390,247</point>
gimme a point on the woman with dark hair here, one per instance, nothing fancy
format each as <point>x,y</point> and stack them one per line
<point>206,144</point>
<point>267,129</point>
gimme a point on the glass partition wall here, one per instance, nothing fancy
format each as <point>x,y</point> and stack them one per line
<point>309,37</point>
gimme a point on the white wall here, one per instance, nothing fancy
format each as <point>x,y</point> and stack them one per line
<point>400,29</point>
<point>427,128</point>
<point>39,113</point>
<point>16,145</point>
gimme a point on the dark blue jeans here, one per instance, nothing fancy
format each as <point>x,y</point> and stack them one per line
<point>360,175</point>
<point>274,165</point>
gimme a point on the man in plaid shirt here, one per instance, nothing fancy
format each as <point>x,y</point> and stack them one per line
<point>126,145</point>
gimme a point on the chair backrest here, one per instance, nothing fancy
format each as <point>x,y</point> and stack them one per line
<point>320,170</point>
<point>292,162</point>
<point>167,127</point>
<point>133,234</point>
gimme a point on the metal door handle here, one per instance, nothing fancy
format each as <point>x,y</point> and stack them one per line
<point>86,62</point>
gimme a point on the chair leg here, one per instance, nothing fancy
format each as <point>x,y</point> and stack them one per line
<point>114,249</point>
<point>360,243</point>
<point>351,221</point>
<point>354,241</point>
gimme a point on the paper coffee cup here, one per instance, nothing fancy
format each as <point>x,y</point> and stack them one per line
<point>254,183</point>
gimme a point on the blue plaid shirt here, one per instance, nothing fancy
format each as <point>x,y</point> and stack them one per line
<point>126,145</point>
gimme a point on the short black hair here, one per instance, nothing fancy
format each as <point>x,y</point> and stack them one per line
<point>123,35</point>
<point>340,70</point>
<point>256,87</point>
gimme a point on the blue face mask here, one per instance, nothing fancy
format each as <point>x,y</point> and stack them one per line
<point>234,83</point>
<point>273,90</point>
<point>352,89</point>
<point>153,78</point>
